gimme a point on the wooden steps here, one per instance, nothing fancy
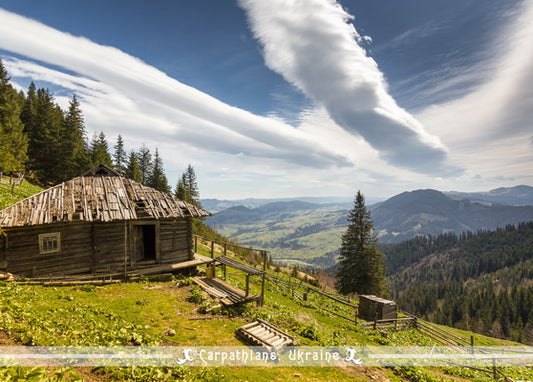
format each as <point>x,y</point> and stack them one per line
<point>261,333</point>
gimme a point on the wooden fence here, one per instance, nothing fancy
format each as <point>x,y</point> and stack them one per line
<point>300,291</point>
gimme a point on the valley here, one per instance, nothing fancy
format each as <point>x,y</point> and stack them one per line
<point>311,232</point>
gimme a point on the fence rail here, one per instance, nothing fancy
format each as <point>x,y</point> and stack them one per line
<point>411,321</point>
<point>395,323</point>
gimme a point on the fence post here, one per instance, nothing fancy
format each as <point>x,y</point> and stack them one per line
<point>225,249</point>
<point>264,253</point>
<point>196,244</point>
<point>212,249</point>
<point>471,344</point>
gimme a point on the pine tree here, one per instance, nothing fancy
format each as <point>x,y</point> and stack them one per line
<point>75,159</point>
<point>157,178</point>
<point>44,129</point>
<point>28,113</point>
<point>191,186</point>
<point>13,141</point>
<point>145,163</point>
<point>99,152</point>
<point>180,192</point>
<point>119,156</point>
<point>132,170</point>
<point>360,262</point>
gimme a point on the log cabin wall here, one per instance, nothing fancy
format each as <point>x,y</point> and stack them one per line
<point>25,257</point>
<point>3,252</point>
<point>175,243</point>
<point>109,247</point>
<point>92,247</point>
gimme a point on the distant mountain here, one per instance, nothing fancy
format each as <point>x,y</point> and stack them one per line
<point>431,212</point>
<point>252,215</point>
<point>217,205</point>
<point>311,232</point>
<point>514,196</point>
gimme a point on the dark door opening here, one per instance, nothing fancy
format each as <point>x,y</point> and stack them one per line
<point>149,242</point>
<point>145,242</point>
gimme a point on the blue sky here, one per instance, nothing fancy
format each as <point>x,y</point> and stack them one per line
<point>294,98</point>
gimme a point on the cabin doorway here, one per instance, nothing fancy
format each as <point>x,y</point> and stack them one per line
<point>145,243</point>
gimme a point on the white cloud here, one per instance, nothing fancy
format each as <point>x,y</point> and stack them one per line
<point>312,44</point>
<point>488,128</point>
<point>114,86</point>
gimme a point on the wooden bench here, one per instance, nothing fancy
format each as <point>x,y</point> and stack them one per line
<point>222,291</point>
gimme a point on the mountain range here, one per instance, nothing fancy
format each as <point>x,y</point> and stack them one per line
<point>301,230</point>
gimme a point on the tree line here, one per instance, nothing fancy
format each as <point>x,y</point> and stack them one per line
<point>475,281</point>
<point>49,144</point>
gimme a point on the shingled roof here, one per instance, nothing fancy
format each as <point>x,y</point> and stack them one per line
<point>97,196</point>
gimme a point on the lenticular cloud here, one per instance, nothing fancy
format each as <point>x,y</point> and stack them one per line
<point>313,46</point>
<point>115,85</point>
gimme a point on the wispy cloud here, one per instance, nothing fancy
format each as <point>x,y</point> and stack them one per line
<point>488,128</point>
<point>116,86</point>
<point>313,45</point>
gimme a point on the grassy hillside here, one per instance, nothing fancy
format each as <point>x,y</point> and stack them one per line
<point>170,313</point>
<point>10,194</point>
<point>142,314</point>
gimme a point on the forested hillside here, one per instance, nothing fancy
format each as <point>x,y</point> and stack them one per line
<point>481,282</point>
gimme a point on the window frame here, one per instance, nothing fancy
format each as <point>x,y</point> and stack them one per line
<point>45,239</point>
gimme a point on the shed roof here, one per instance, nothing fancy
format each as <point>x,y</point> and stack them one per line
<point>97,196</point>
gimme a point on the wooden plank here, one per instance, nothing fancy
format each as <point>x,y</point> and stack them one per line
<point>262,333</point>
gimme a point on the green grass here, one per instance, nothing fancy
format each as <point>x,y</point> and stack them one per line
<point>140,313</point>
<point>7,197</point>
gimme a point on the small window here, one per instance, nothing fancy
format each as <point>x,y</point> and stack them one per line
<point>49,242</point>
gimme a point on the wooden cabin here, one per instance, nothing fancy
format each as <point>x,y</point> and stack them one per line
<point>97,223</point>
<point>373,308</point>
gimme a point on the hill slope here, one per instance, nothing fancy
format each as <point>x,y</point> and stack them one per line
<point>514,196</point>
<point>294,230</point>
<point>431,212</point>
<point>479,282</point>
<point>10,195</point>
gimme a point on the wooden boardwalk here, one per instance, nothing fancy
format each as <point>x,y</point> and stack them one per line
<point>225,293</point>
<point>261,333</point>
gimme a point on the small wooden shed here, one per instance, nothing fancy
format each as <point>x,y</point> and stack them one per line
<point>96,223</point>
<point>373,308</point>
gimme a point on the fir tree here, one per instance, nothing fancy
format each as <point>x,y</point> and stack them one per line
<point>180,192</point>
<point>145,163</point>
<point>44,129</point>
<point>28,113</point>
<point>119,156</point>
<point>75,159</point>
<point>158,179</point>
<point>99,152</point>
<point>360,263</point>
<point>132,170</point>
<point>13,141</point>
<point>191,186</point>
